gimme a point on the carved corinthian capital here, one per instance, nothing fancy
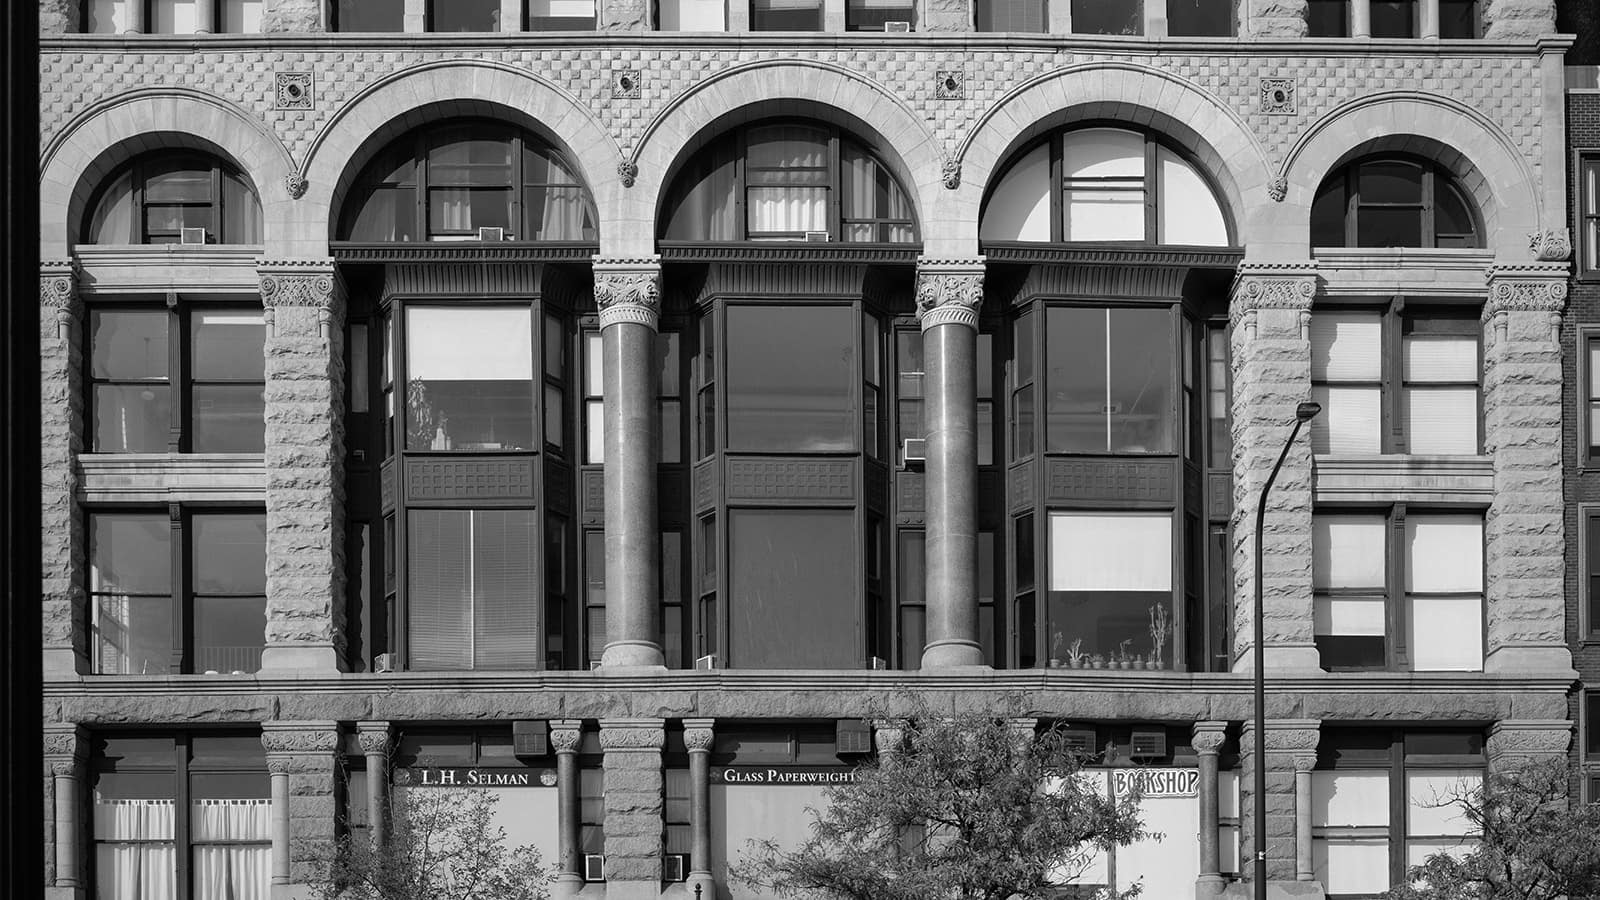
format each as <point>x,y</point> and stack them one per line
<point>373,737</point>
<point>296,283</point>
<point>1532,287</point>
<point>698,738</point>
<point>58,293</point>
<point>565,739</point>
<point>1209,736</point>
<point>949,291</point>
<point>628,290</point>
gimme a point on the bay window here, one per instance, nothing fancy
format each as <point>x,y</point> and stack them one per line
<point>1110,585</point>
<point>796,598</point>
<point>171,594</point>
<point>463,15</point>
<point>1402,590</point>
<point>1393,201</point>
<point>792,379</point>
<point>472,592</point>
<point>469,378</point>
<point>186,817</point>
<point>1392,382</point>
<point>165,197</point>
<point>1109,380</point>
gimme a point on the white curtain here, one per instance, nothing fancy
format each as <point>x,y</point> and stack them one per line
<point>134,855</point>
<point>232,871</point>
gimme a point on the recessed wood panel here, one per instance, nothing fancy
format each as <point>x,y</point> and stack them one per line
<point>1107,479</point>
<point>778,480</point>
<point>491,478</point>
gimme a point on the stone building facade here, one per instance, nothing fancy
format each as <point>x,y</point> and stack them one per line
<point>642,410</point>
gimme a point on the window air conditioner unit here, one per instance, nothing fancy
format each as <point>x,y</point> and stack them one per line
<point>491,233</point>
<point>709,661</point>
<point>530,737</point>
<point>675,867</point>
<point>817,236</point>
<point>594,867</point>
<point>852,737</point>
<point>384,662</point>
<point>914,450</point>
<point>192,237</point>
<point>1149,744</point>
<point>594,664</point>
<point>900,27</point>
<point>1079,740</point>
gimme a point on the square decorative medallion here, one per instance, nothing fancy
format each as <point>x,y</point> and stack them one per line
<point>952,85</point>
<point>1278,96</point>
<point>625,84</point>
<point>294,90</point>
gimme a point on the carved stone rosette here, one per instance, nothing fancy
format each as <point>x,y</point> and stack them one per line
<point>647,734</point>
<point>949,292</point>
<point>628,290</point>
<point>58,293</point>
<point>1209,736</point>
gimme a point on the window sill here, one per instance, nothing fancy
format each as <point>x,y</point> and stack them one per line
<point>1417,271</point>
<point>1409,478</point>
<point>172,477</point>
<point>161,268</point>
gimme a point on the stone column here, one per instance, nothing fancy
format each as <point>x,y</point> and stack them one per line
<point>59,17</point>
<point>293,15</point>
<point>624,15</point>
<point>375,744</point>
<point>1303,763</point>
<point>945,16</point>
<point>302,758</point>
<point>949,293</point>
<point>1155,18</point>
<point>565,736</point>
<point>1361,18</point>
<point>628,292</point>
<point>205,17</point>
<point>1272,18</point>
<point>1515,743</point>
<point>634,804</point>
<point>1207,740</point>
<point>1524,530</point>
<point>1270,318</point>
<point>63,547</point>
<point>1428,19</point>
<point>304,308</point>
<point>66,748</point>
<point>698,735</point>
<point>1519,20</point>
<point>1287,741</point>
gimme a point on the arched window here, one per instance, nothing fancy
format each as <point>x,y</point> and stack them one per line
<point>1103,185</point>
<point>448,183</point>
<point>167,198</point>
<point>788,182</point>
<point>1393,201</point>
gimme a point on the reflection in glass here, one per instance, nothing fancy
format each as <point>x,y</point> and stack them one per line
<point>1110,380</point>
<point>795,601</point>
<point>1107,17</point>
<point>230,584</point>
<point>1111,585</point>
<point>372,15</point>
<point>791,379</point>
<point>470,378</point>
<point>132,403</point>
<point>130,585</point>
<point>229,377</point>
<point>464,15</point>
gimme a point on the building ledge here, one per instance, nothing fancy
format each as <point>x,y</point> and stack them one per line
<point>1369,271</point>
<point>158,268</point>
<point>1403,478</point>
<point>172,477</point>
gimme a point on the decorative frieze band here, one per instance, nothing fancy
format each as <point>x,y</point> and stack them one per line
<point>647,734</point>
<point>300,738</point>
<point>1299,736</point>
<point>58,292</point>
<point>628,290</point>
<point>1535,287</point>
<point>65,747</point>
<point>1516,742</point>
<point>949,291</point>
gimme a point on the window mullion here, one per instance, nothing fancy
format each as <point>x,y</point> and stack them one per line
<point>182,603</point>
<point>1397,564</point>
<point>177,376</point>
<point>420,205</point>
<point>1393,369</point>
<point>1352,199</point>
<point>1151,233</point>
<point>1057,201</point>
<point>1429,198</point>
<point>835,189</point>
<point>216,196</point>
<point>741,188</point>
<point>180,816</point>
<point>1399,807</point>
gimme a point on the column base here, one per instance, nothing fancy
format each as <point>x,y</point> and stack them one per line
<point>952,655</point>
<point>65,893</point>
<point>567,886</point>
<point>1276,890</point>
<point>636,655</point>
<point>708,885</point>
<point>320,658</point>
<point>1210,887</point>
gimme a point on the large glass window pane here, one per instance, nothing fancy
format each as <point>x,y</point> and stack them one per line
<point>1012,15</point>
<point>792,373</point>
<point>1019,207</point>
<point>1394,18</point>
<point>1444,592</point>
<point>1200,18</point>
<point>241,16</point>
<point>132,401</point>
<point>1103,174</point>
<point>1188,212</point>
<point>372,15</point>
<point>229,554</point>
<point>174,16</point>
<point>785,15</point>
<point>472,589</point>
<point>796,583</point>
<point>1458,19</point>
<point>464,15</point>
<point>470,372</point>
<point>786,169</point>
<point>130,583</point>
<point>128,344</point>
<point>1109,379</point>
<point>871,15</point>
<point>693,15</point>
<point>1348,575</point>
<point>228,346</point>
<point>1110,576</point>
<point>560,15</point>
<point>1107,17</point>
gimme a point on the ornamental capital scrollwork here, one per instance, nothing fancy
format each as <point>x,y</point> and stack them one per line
<point>565,740</point>
<point>1521,291</point>
<point>698,738</point>
<point>374,742</point>
<point>951,173</point>
<point>69,743</point>
<point>1209,739</point>
<point>949,292</point>
<point>1304,762</point>
<point>282,290</point>
<point>628,171</point>
<point>632,737</point>
<point>888,736</point>
<point>1264,291</point>
<point>1550,245</point>
<point>627,292</point>
<point>58,291</point>
<point>278,765</point>
<point>304,740</point>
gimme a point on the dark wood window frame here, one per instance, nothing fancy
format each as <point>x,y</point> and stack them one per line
<point>1433,179</point>
<point>1589,573</point>
<point>987,15</point>
<point>138,170</point>
<point>758,21</point>
<point>1587,167</point>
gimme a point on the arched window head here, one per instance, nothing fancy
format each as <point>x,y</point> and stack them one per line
<point>1103,185</point>
<point>449,182</point>
<point>1393,201</point>
<point>792,181</point>
<point>167,197</point>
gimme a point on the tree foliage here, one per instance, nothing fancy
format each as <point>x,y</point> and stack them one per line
<point>1536,843</point>
<point>443,845</point>
<point>966,810</point>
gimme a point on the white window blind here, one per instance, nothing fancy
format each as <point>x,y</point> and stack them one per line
<point>560,9</point>
<point>1347,551</point>
<point>1440,404</point>
<point>174,16</point>
<point>241,16</point>
<point>1444,592</point>
<point>483,344</point>
<point>1019,209</point>
<point>1093,552</point>
<point>1353,616</point>
<point>1346,368</point>
<point>1349,813</point>
<point>693,15</point>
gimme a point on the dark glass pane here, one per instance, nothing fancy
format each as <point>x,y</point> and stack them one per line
<point>791,378</point>
<point>229,751</point>
<point>1458,19</point>
<point>985,427</point>
<point>230,554</point>
<point>229,633</point>
<point>1390,182</point>
<point>229,419</point>
<point>869,15</point>
<point>1200,18</point>
<point>128,344</point>
<point>1328,18</point>
<point>1351,651</point>
<point>668,345</point>
<point>795,588</point>
<point>785,15</point>
<point>1027,632</point>
<point>127,752</point>
<point>1452,216</point>
<point>1075,380</point>
<point>1139,401</point>
<point>671,567</point>
<point>671,432</point>
<point>433,749</point>
<point>1219,597</point>
<point>787,154</point>
<point>1107,17</point>
<point>464,15</point>
<point>1394,18</point>
<point>701,203</point>
<point>1591,746</point>
<point>1024,544</point>
<point>505,623</point>
<point>372,15</point>
<point>470,379</point>
<point>168,221</point>
<point>241,211</point>
<point>1384,226</point>
<point>129,554</point>
<point>913,592</point>
<point>460,158</point>
<point>672,636</point>
<point>177,183</point>
<point>594,568</point>
<point>137,786</point>
<point>1328,214</point>
<point>1012,15</point>
<point>985,363</point>
<point>913,636</point>
<point>1107,622</point>
<point>112,221</point>
<point>132,418</point>
<point>1444,742</point>
<point>554,416</point>
<point>132,634</point>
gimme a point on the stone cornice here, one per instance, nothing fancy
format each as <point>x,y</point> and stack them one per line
<point>949,291</point>
<point>628,291</point>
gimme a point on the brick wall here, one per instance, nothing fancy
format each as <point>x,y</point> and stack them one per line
<point>1583,487</point>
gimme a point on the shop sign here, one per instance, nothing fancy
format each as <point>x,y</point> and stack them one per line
<point>474,776</point>
<point>1156,782</point>
<point>792,775</point>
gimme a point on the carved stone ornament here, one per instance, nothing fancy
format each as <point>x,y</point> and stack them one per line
<point>375,741</point>
<point>1278,189</point>
<point>625,84</point>
<point>280,289</point>
<point>1208,740</point>
<point>1291,739</point>
<point>295,185</point>
<point>1278,96</point>
<point>63,768</point>
<point>277,765</point>
<point>1257,292</point>
<point>58,291</point>
<point>888,737</point>
<point>628,296</point>
<point>952,173</point>
<point>293,90</point>
<point>949,296</point>
<point>63,743</point>
<point>632,737</point>
<point>565,740</point>
<point>628,171</point>
<point>951,84</point>
<point>1525,295</point>
<point>1507,743</point>
<point>1304,762</point>
<point>300,740</point>
<point>1550,245</point>
<point>698,738</point>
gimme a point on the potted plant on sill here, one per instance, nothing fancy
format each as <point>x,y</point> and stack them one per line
<point>1160,627</point>
<point>1075,654</point>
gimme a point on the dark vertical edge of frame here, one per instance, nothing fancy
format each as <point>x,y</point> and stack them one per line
<point>21,721</point>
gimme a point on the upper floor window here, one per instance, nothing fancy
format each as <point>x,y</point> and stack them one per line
<point>469,378</point>
<point>1392,382</point>
<point>788,182</point>
<point>879,15</point>
<point>1392,18</point>
<point>1393,202</point>
<point>1107,17</point>
<point>452,182</point>
<point>785,15</point>
<point>171,197</point>
<point>691,15</point>
<point>1589,214</point>
<point>176,379</point>
<point>1013,15</point>
<point>1103,185</point>
<point>1200,18</point>
<point>369,15</point>
<point>1589,617</point>
<point>173,16</point>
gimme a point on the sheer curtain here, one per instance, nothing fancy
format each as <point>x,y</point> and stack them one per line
<point>787,175</point>
<point>135,858</point>
<point>235,870</point>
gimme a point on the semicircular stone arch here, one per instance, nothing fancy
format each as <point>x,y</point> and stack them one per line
<point>111,133</point>
<point>436,91</point>
<point>1483,159</point>
<point>1115,94</point>
<point>786,87</point>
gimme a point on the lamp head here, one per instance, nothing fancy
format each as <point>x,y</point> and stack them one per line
<point>1307,411</point>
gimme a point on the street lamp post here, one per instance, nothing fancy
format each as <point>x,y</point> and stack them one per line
<point>1303,413</point>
